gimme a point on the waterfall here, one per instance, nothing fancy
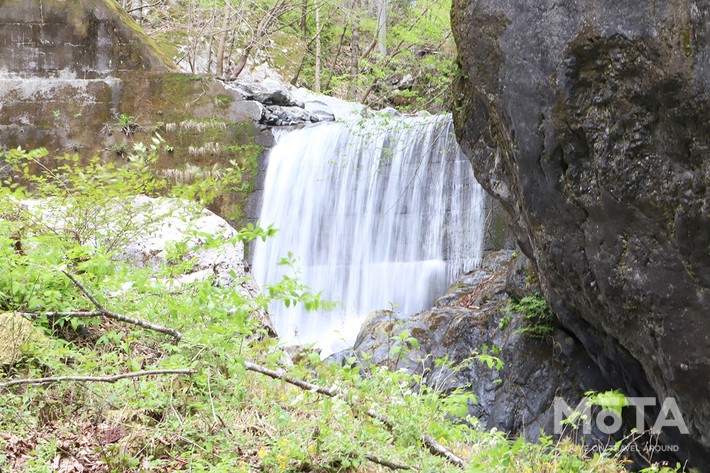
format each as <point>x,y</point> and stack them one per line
<point>381,213</point>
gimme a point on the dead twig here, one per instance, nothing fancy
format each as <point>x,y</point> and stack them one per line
<point>93,379</point>
<point>435,447</point>
<point>145,6</point>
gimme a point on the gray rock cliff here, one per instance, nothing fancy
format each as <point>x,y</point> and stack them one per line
<point>590,123</point>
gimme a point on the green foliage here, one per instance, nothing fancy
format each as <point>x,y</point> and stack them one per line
<point>127,123</point>
<point>489,358</point>
<point>415,73</point>
<point>538,317</point>
<point>612,400</point>
<point>402,345</point>
<point>221,418</point>
<point>291,291</point>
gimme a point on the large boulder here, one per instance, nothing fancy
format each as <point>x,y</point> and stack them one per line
<point>80,76</point>
<point>159,232</point>
<point>74,39</point>
<point>590,123</point>
<point>474,320</point>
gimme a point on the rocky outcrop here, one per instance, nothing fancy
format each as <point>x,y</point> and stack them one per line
<point>476,316</point>
<point>278,106</point>
<point>74,39</point>
<point>590,123</point>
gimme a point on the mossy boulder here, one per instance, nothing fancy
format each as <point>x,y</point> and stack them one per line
<point>475,316</point>
<point>17,334</point>
<point>82,39</point>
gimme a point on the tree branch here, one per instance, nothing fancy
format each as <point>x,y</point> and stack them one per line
<point>94,379</point>
<point>84,290</point>
<point>103,312</point>
<point>144,6</point>
<point>434,447</point>
<point>388,464</point>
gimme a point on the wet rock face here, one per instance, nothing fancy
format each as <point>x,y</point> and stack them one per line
<point>517,397</point>
<point>590,123</point>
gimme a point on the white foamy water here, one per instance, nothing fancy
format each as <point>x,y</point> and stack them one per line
<point>380,213</point>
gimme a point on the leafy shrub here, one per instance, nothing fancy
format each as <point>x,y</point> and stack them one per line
<point>538,317</point>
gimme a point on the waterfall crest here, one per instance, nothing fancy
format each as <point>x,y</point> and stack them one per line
<point>381,213</point>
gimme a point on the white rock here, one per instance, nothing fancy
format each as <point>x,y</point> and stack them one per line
<point>159,223</point>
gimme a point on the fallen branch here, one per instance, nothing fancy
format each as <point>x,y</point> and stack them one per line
<point>79,314</point>
<point>388,464</point>
<point>103,312</point>
<point>435,447</point>
<point>93,379</point>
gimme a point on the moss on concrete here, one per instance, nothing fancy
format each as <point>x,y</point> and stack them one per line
<point>113,69</point>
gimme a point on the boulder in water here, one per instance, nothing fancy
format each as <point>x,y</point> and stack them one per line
<point>268,93</point>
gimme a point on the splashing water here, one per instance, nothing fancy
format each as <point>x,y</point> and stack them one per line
<point>381,213</point>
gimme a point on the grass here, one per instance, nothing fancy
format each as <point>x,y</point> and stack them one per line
<point>223,417</point>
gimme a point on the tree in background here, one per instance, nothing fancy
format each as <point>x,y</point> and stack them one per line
<point>398,53</point>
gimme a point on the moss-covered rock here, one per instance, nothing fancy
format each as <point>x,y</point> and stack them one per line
<point>17,334</point>
<point>74,38</point>
<point>477,314</point>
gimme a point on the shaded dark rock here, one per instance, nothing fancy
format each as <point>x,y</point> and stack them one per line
<point>590,123</point>
<point>272,95</point>
<point>275,115</point>
<point>266,139</point>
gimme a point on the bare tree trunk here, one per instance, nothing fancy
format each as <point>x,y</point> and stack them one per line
<point>239,66</point>
<point>222,41</point>
<point>263,30</point>
<point>208,69</point>
<point>371,47</point>
<point>304,19</point>
<point>354,52</point>
<point>191,48</point>
<point>316,80</point>
<point>308,48</point>
<point>382,28</point>
<point>335,58</point>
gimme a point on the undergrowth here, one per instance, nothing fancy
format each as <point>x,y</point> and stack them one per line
<point>220,417</point>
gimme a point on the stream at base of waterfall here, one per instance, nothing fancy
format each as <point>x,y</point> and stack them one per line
<point>379,213</point>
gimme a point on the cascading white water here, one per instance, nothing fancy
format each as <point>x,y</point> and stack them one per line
<point>381,213</point>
